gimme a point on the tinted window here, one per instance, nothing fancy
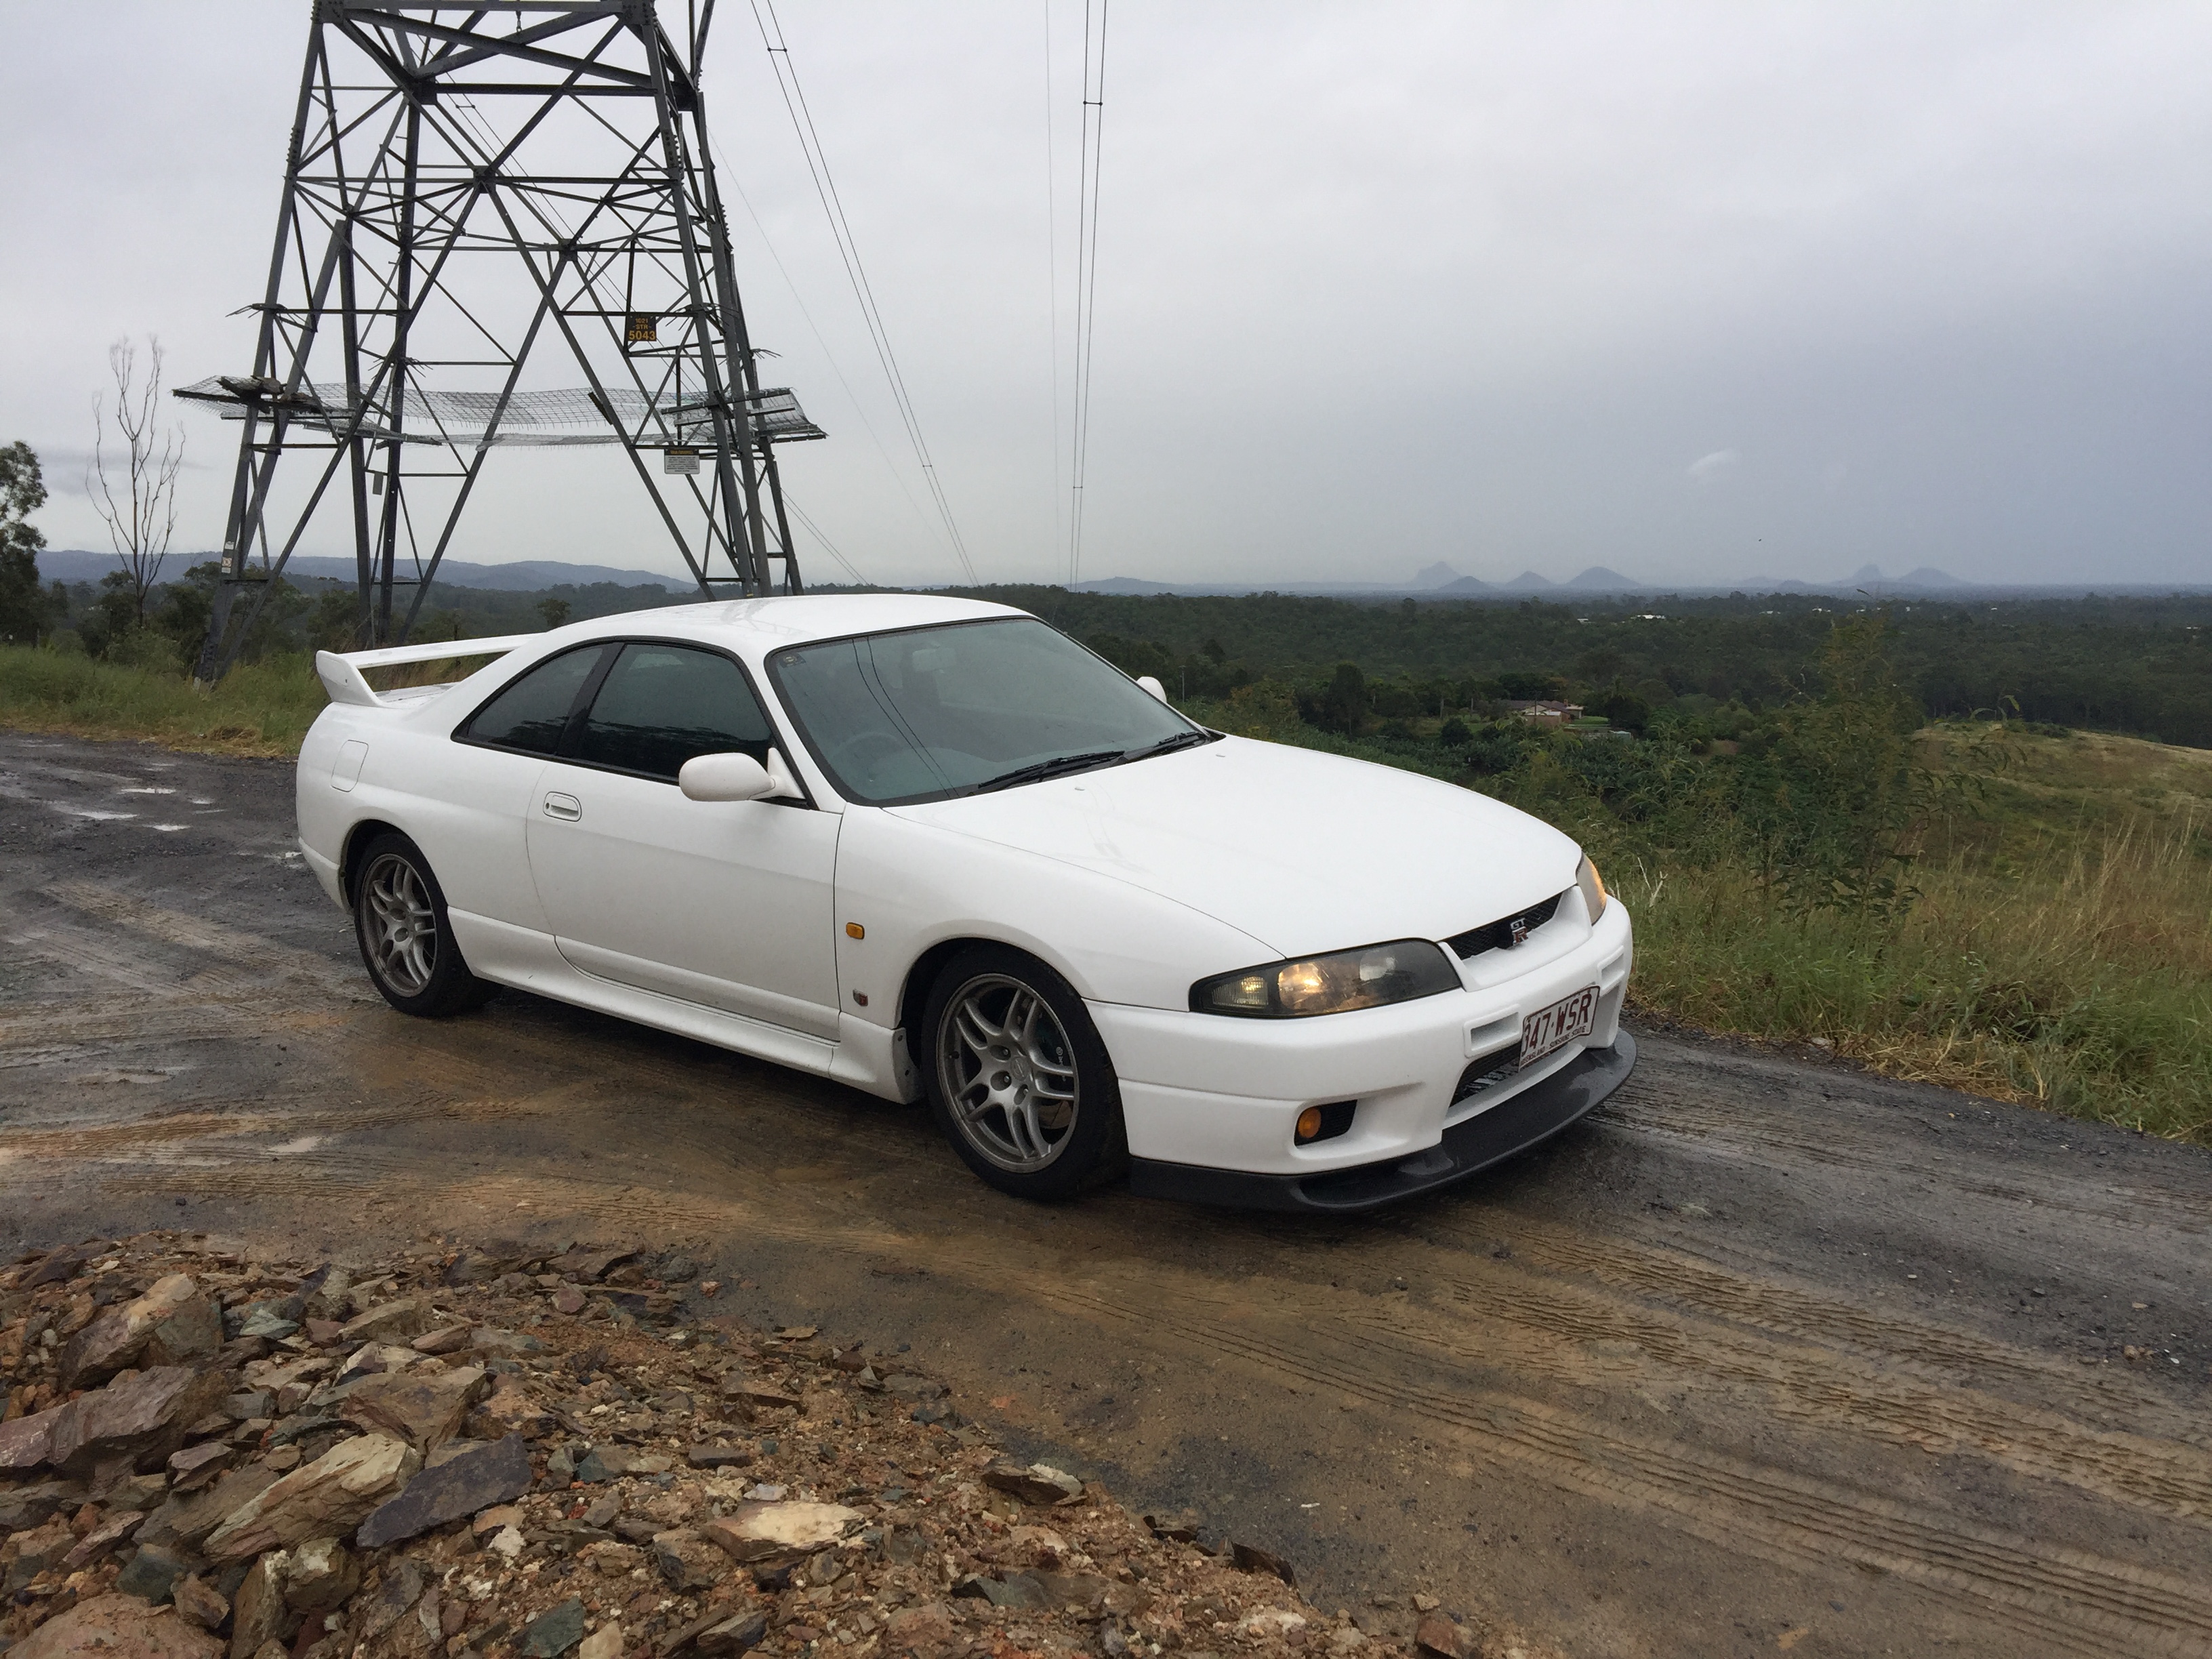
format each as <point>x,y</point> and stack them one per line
<point>661,704</point>
<point>530,713</point>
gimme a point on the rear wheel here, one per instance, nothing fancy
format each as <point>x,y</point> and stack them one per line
<point>1018,1078</point>
<point>406,939</point>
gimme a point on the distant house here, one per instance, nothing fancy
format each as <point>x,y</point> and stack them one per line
<point>1546,712</point>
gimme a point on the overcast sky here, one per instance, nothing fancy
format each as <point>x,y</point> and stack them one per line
<point>1695,292</point>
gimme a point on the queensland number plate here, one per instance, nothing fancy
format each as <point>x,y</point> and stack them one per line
<point>1555,1027</point>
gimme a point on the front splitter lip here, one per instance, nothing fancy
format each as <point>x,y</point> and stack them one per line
<point>1513,1125</point>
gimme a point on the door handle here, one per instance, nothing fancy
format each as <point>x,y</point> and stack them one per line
<point>567,808</point>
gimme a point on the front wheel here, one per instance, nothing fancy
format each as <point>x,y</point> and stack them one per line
<point>1018,1078</point>
<point>406,939</point>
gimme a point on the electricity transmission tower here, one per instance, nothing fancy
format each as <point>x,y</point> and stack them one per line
<point>470,190</point>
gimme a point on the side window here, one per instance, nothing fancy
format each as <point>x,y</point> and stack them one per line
<point>530,713</point>
<point>661,704</point>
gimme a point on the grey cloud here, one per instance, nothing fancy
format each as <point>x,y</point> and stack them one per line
<point>1377,285</point>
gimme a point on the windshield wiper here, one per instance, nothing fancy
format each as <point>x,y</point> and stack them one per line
<point>1038,771</point>
<point>1169,745</point>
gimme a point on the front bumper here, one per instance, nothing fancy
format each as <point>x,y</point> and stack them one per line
<point>1206,1093</point>
<point>1513,1125</point>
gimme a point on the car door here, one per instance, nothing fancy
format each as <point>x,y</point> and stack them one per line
<point>477,792</point>
<point>724,903</point>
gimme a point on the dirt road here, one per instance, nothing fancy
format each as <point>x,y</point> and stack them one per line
<point>1762,1357</point>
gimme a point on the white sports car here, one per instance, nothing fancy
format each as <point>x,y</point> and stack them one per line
<point>932,849</point>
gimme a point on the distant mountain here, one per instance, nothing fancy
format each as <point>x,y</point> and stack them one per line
<point>1126,584</point>
<point>1529,578</point>
<point>1606,581</point>
<point>77,564</point>
<point>1438,575</point>
<point>1466,585</point>
<point>1869,575</point>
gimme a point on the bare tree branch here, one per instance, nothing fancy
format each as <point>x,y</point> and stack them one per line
<point>140,520</point>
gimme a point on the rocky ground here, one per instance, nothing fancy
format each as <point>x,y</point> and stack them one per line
<point>509,1455</point>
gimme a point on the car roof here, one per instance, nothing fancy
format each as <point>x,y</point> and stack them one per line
<point>771,623</point>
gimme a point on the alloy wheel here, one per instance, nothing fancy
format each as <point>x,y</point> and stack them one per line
<point>1009,1073</point>
<point>399,924</point>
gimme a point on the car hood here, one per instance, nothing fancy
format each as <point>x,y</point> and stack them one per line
<point>1304,851</point>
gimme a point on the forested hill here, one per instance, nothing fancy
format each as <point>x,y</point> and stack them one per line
<point>2137,666</point>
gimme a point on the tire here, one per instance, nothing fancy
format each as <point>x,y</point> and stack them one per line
<point>1039,1118</point>
<point>406,939</point>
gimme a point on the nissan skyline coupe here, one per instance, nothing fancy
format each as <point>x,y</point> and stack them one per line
<point>932,849</point>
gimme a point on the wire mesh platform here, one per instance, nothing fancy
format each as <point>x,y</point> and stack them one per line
<point>529,419</point>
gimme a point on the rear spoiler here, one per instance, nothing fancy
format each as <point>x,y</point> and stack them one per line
<point>341,674</point>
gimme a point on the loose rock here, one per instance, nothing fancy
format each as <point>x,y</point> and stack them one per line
<point>330,1496</point>
<point>116,1627</point>
<point>554,1633</point>
<point>403,1534</point>
<point>1040,1483</point>
<point>475,1481</point>
<point>321,1574</point>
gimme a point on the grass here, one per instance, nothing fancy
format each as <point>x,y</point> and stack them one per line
<point>260,708</point>
<point>2060,953</point>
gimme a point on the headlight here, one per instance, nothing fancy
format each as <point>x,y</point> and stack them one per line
<point>1334,984</point>
<point>1593,886</point>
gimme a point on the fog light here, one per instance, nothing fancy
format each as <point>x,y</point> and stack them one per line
<point>1325,1122</point>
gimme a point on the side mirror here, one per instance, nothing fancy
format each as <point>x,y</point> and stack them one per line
<point>738,777</point>
<point>723,777</point>
<point>1153,686</point>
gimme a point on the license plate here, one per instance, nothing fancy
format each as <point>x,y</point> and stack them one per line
<point>1555,1027</point>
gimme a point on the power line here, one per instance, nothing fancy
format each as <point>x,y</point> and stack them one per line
<point>1086,273</point>
<point>825,186</point>
<point>859,411</point>
<point>1052,264</point>
<point>815,531</point>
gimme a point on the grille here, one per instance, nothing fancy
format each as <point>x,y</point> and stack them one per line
<point>1500,935</point>
<point>1487,1073</point>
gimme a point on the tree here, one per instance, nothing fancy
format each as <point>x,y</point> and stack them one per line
<point>1342,706</point>
<point>22,492</point>
<point>1624,709</point>
<point>141,517</point>
<point>554,611</point>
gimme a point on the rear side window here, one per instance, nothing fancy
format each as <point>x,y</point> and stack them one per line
<point>660,705</point>
<point>531,714</point>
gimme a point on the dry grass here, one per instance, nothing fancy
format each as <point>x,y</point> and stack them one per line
<point>261,708</point>
<point>2061,953</point>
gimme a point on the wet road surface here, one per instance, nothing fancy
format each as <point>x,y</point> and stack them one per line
<point>1761,1358</point>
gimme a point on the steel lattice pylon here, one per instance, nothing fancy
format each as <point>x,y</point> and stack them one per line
<point>448,165</point>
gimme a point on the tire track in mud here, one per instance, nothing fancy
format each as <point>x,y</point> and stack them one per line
<point>266,957</point>
<point>2059,1597</point>
<point>1763,1138</point>
<point>1770,1303</point>
<point>1548,1329</point>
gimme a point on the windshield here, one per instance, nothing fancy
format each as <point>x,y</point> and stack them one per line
<point>933,712</point>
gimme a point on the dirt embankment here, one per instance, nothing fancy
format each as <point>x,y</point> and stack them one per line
<point>501,1455</point>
